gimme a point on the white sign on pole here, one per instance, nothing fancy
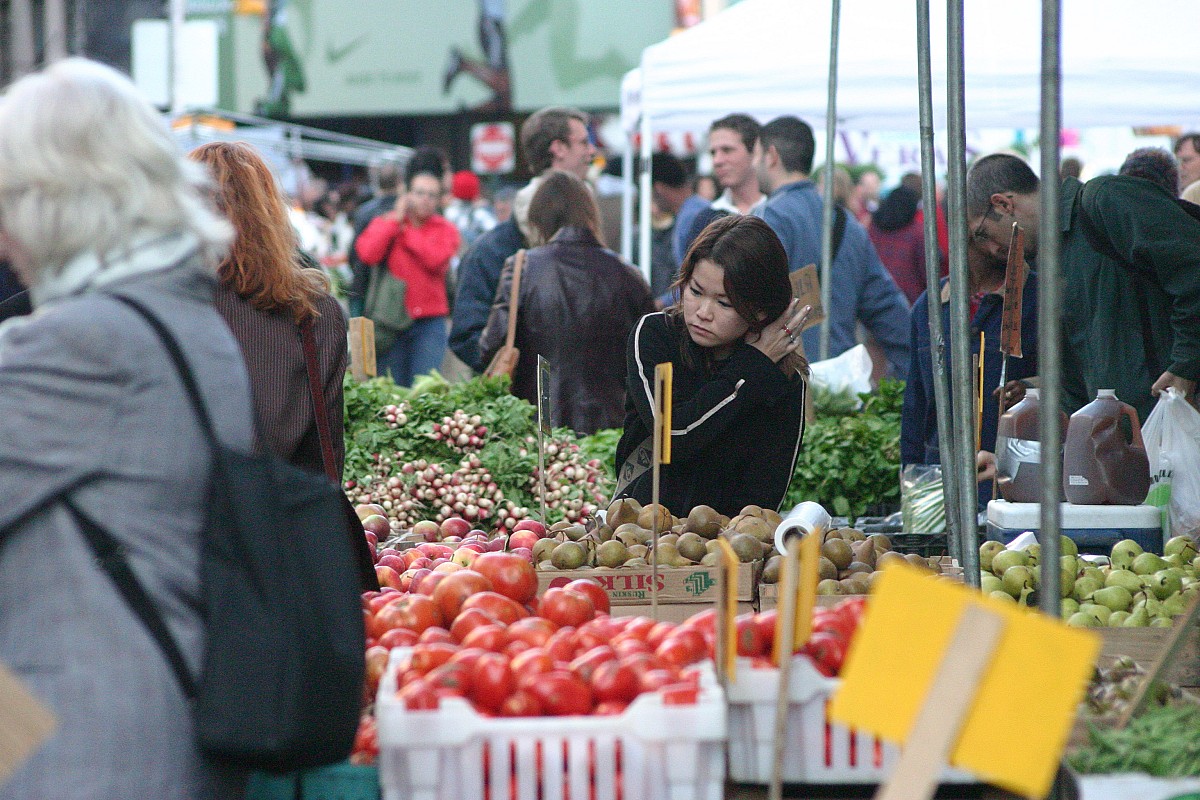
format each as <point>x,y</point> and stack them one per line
<point>197,84</point>
<point>493,148</point>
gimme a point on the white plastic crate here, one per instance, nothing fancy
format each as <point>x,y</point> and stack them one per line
<point>650,752</point>
<point>818,750</point>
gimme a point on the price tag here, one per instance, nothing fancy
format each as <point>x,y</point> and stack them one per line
<point>806,287</point>
<point>543,391</point>
<point>1017,717</point>
<point>663,375</point>
<point>1014,293</point>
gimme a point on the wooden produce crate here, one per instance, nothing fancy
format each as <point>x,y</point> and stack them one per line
<point>676,585</point>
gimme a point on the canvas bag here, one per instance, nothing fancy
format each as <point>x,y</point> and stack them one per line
<point>505,360</point>
<point>282,673</point>
<point>384,305</point>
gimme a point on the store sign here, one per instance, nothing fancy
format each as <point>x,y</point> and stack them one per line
<point>493,148</point>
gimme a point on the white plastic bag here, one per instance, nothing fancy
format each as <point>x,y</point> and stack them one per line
<point>838,381</point>
<point>1172,436</point>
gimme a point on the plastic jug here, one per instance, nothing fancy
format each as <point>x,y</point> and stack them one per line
<point>1099,466</point>
<point>1019,451</point>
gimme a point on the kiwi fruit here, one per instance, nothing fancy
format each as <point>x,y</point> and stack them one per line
<point>703,520</point>
<point>838,551</point>
<point>621,511</point>
<point>646,517</point>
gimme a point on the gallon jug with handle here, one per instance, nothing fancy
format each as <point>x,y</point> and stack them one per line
<point>1100,465</point>
<point>1019,451</point>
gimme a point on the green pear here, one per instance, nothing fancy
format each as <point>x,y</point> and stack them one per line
<point>1085,587</point>
<point>1067,546</point>
<point>1124,552</point>
<point>1082,620</point>
<point>1067,579</point>
<point>1161,622</point>
<point>1034,551</point>
<point>1009,558</point>
<point>1174,605</point>
<point>1138,618</point>
<point>1018,578</point>
<point>1094,572</point>
<point>1147,564</point>
<point>988,551</point>
<point>1196,565</point>
<point>1069,606</point>
<point>1116,598</point>
<point>1098,611</point>
<point>1175,560</point>
<point>1165,583</point>
<point>1117,619</point>
<point>1150,604</point>
<point>989,583</point>
<point>1182,546</point>
<point>1126,579</point>
<point>1003,596</point>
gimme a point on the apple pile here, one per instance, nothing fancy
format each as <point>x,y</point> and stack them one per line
<point>480,634</point>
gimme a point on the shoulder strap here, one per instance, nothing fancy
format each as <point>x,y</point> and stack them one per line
<point>110,557</point>
<point>839,229</point>
<point>181,365</point>
<point>320,411</point>
<point>514,301</point>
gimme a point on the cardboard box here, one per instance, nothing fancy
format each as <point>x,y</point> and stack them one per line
<point>631,587</point>
<point>768,593</point>
<point>674,612</point>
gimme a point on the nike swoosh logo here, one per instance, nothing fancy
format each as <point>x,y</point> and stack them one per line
<point>335,54</point>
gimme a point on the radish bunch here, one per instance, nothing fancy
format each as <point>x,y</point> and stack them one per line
<point>571,483</point>
<point>460,431</point>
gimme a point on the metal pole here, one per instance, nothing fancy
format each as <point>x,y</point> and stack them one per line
<point>827,217</point>
<point>962,457</point>
<point>1050,309</point>
<point>644,201</point>
<point>937,350</point>
<point>177,12</point>
<point>22,56</point>
<point>54,30</point>
<point>627,201</point>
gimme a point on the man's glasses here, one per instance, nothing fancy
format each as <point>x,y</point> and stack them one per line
<point>979,235</point>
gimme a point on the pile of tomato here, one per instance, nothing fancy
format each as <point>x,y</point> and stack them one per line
<point>832,630</point>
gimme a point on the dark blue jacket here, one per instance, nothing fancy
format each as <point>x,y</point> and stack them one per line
<point>478,276</point>
<point>918,420</point>
<point>862,291</point>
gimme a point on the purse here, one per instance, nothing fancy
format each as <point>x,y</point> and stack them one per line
<point>384,305</point>
<point>505,360</point>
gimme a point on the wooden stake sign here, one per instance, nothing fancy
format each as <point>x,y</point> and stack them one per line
<point>913,676</point>
<point>543,415</point>
<point>361,335</point>
<point>726,612</point>
<point>663,376</point>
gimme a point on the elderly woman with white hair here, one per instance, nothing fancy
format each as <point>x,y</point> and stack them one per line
<point>96,202</point>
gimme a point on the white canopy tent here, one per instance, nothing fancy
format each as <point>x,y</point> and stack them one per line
<point>1123,63</point>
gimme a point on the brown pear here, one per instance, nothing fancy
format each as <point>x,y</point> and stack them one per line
<point>839,552</point>
<point>703,520</point>
<point>827,569</point>
<point>890,557</point>
<point>865,552</point>
<point>621,511</point>
<point>772,517</point>
<point>881,542</point>
<point>646,518</point>
<point>918,561</point>
<point>757,527</point>
<point>752,511</point>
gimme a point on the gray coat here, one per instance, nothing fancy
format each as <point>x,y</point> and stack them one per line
<point>90,405</point>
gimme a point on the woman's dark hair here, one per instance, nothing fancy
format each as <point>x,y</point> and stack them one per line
<point>562,200</point>
<point>756,273</point>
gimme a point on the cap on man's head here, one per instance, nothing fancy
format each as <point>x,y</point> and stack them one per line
<point>465,185</point>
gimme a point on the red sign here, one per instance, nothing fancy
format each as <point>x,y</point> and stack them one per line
<point>493,148</point>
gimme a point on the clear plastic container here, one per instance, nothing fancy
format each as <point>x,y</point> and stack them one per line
<point>1100,465</point>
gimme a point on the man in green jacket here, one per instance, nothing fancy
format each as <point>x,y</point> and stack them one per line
<point>1130,272</point>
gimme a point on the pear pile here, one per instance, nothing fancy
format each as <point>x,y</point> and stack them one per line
<point>625,537</point>
<point>1130,588</point>
<point>851,562</point>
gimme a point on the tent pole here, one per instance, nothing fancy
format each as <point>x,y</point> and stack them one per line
<point>644,199</point>
<point>827,217</point>
<point>937,351</point>
<point>1050,305</point>
<point>962,457</point>
<point>627,199</point>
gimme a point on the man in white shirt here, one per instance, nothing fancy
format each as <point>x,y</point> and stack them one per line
<point>731,141</point>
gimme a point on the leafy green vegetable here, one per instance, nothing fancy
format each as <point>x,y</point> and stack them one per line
<point>1164,741</point>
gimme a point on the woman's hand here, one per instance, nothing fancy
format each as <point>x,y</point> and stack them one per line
<point>781,337</point>
<point>985,466</point>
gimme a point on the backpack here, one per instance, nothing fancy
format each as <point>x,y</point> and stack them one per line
<point>282,676</point>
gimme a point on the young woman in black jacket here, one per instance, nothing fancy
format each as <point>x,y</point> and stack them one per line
<point>737,414</point>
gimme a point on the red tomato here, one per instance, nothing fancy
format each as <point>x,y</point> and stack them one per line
<point>376,664</point>
<point>830,621</point>
<point>511,575</point>
<point>585,665</point>
<point>613,681</point>
<point>366,741</point>
<point>827,651</point>
<point>561,646</point>
<point>399,637</point>
<point>467,621</point>
<point>426,657</point>
<point>594,591</point>
<point>535,631</point>
<point>413,611</point>
<point>659,633</point>
<point>641,663</point>
<point>610,708</point>
<point>467,656</point>
<point>682,648</point>
<point>765,622</point>
<point>487,637</point>
<point>679,694</point>
<point>854,608</point>
<point>431,635</point>
<point>566,607</point>
<point>704,621</point>
<point>655,679</point>
<point>452,677</point>
<point>527,667</point>
<point>455,588</point>
<point>627,647</point>
<point>419,695</point>
<point>562,693</point>
<point>639,627</point>
<point>750,640</point>
<point>521,703</point>
<point>502,608</point>
<point>491,682</point>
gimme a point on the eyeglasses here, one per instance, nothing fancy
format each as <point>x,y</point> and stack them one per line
<point>426,194</point>
<point>979,235</point>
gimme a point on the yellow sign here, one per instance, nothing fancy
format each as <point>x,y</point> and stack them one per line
<point>663,375</point>
<point>728,608</point>
<point>1019,721</point>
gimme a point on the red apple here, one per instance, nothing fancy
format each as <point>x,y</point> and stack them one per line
<point>523,538</point>
<point>530,525</point>
<point>455,526</point>
<point>387,576</point>
<point>421,562</point>
<point>523,552</point>
<point>426,581</point>
<point>465,556</point>
<point>477,546</point>
<point>447,567</point>
<point>428,530</point>
<point>451,539</point>
<point>389,551</point>
<point>430,550</point>
<point>478,534</point>
<point>372,539</point>
<point>395,562</point>
<point>409,576</point>
<point>378,525</point>
<point>367,509</point>
<point>496,545</point>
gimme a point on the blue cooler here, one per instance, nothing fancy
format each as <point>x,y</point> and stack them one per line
<point>1095,529</point>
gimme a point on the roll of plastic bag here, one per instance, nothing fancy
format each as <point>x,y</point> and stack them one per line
<point>806,518</point>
